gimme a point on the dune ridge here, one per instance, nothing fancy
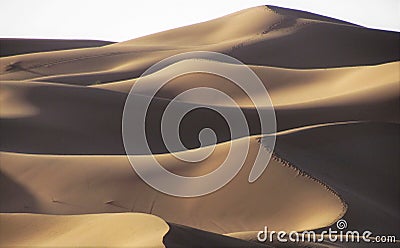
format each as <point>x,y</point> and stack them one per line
<point>337,45</point>
<point>15,46</point>
<point>66,181</point>
<point>123,191</point>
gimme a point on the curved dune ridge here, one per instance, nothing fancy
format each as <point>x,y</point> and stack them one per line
<point>367,180</point>
<point>114,187</point>
<point>114,230</point>
<point>66,180</point>
<point>284,40</point>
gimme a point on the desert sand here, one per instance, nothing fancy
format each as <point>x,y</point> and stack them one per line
<point>66,179</point>
<point>14,46</point>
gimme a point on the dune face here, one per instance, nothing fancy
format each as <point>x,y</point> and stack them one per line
<point>282,40</point>
<point>114,187</point>
<point>12,47</point>
<point>122,230</point>
<point>66,180</point>
<point>367,172</point>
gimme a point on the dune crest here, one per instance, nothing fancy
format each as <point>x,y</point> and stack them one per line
<point>66,180</point>
<point>73,178</point>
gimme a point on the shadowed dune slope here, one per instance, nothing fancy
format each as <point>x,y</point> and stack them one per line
<point>361,162</point>
<point>300,97</point>
<point>282,40</point>
<point>180,236</point>
<point>287,87</point>
<point>307,15</point>
<point>106,230</point>
<point>15,46</point>
<point>335,91</point>
<point>96,184</point>
<point>321,241</point>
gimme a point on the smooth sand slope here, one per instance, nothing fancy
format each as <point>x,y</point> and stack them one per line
<point>285,86</point>
<point>95,184</point>
<point>105,230</point>
<point>15,46</point>
<point>305,98</point>
<point>256,36</point>
<point>117,230</point>
<point>361,162</point>
<point>65,177</point>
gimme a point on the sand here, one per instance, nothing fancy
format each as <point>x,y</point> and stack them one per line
<point>122,230</point>
<point>66,179</point>
<point>15,46</point>
<point>113,186</point>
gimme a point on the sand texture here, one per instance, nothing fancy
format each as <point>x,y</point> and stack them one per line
<point>65,178</point>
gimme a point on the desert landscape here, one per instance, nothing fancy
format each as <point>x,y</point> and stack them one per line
<point>66,179</point>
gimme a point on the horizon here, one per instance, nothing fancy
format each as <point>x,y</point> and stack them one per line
<point>86,24</point>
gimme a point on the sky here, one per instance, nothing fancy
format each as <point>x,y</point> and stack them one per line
<point>120,20</point>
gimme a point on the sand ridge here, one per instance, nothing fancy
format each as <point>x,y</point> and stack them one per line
<point>66,180</point>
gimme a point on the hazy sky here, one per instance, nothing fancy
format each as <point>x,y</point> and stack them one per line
<point>119,20</point>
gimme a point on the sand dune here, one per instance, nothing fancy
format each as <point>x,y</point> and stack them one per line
<point>287,87</point>
<point>183,236</point>
<point>66,181</point>
<point>362,166</point>
<point>283,40</point>
<point>117,230</point>
<point>14,46</point>
<point>300,98</point>
<point>111,230</point>
<point>323,243</point>
<point>96,184</point>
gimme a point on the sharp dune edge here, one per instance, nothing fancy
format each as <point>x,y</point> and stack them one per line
<point>65,179</point>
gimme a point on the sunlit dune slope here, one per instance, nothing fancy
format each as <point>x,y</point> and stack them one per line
<point>360,161</point>
<point>286,87</point>
<point>282,40</point>
<point>96,184</point>
<point>300,98</point>
<point>65,178</point>
<point>106,230</point>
